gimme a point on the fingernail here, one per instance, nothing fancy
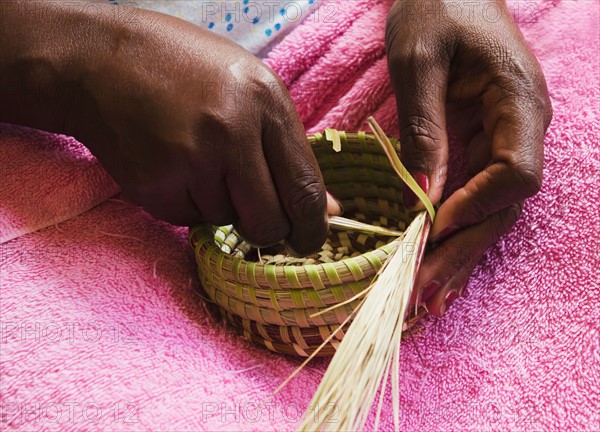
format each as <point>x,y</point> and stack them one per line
<point>450,298</point>
<point>445,233</point>
<point>410,199</point>
<point>430,288</point>
<point>332,211</point>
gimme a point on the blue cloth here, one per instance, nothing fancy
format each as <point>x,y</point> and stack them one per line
<point>254,24</point>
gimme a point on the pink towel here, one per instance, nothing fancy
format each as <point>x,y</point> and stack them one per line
<point>101,328</point>
<point>46,179</point>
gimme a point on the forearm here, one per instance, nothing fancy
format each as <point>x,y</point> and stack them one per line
<point>47,52</point>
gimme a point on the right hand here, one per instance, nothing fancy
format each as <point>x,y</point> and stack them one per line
<point>195,129</point>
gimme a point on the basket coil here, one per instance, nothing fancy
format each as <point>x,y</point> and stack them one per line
<point>272,301</point>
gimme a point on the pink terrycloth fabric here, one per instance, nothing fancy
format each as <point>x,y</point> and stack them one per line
<point>46,179</point>
<point>102,329</point>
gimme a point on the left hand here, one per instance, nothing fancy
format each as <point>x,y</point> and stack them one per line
<point>468,65</point>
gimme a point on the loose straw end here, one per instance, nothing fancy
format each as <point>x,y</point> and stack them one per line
<point>402,172</point>
<point>334,136</point>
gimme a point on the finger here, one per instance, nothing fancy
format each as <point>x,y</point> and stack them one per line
<point>454,289</point>
<point>448,268</point>
<point>297,178</point>
<point>172,204</point>
<point>516,125</point>
<point>420,78</point>
<point>210,194</point>
<point>479,153</point>
<point>262,220</point>
<point>334,207</point>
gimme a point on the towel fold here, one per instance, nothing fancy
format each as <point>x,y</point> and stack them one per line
<point>46,179</point>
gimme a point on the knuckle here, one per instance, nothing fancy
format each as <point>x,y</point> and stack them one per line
<point>306,198</point>
<point>265,81</point>
<point>259,89</point>
<point>533,95</point>
<point>414,56</point>
<point>215,128</point>
<point>273,101</point>
<point>421,137</point>
<point>418,126</point>
<point>542,106</point>
<point>475,209</point>
<point>529,179</point>
<point>524,175</point>
<point>503,221</point>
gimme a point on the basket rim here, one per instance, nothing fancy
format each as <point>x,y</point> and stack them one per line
<point>202,236</point>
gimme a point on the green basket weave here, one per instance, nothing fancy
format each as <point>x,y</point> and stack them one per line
<point>271,302</point>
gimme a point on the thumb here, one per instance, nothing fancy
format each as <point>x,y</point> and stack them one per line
<point>420,89</point>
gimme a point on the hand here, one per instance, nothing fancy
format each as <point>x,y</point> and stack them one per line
<point>193,127</point>
<point>468,67</point>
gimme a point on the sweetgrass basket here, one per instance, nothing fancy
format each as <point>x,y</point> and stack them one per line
<point>279,301</point>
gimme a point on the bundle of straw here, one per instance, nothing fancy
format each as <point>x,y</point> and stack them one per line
<point>370,350</point>
<point>305,306</point>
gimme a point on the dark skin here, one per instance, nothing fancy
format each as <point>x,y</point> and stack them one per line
<point>195,129</point>
<point>467,66</point>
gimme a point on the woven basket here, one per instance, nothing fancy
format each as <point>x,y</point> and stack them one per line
<point>271,301</point>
